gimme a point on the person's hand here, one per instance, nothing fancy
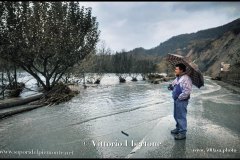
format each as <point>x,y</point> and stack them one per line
<point>170,87</point>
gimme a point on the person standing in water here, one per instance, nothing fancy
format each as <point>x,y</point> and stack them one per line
<point>181,89</point>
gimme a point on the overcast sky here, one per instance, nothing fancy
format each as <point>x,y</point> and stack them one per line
<point>128,25</point>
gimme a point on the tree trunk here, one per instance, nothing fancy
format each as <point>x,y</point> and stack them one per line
<point>9,78</point>
<point>3,85</point>
<point>84,79</point>
<point>15,76</point>
<point>48,85</point>
<point>144,77</point>
<point>34,75</point>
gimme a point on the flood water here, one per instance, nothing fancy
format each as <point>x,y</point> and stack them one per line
<point>91,124</point>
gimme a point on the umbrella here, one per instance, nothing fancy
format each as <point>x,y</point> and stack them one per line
<point>192,69</point>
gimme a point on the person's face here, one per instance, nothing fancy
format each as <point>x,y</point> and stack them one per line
<point>178,71</point>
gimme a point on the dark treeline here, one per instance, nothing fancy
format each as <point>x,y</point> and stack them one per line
<point>121,63</point>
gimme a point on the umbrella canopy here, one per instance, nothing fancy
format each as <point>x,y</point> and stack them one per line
<point>191,69</point>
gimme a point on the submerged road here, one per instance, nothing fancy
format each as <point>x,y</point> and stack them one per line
<point>131,120</point>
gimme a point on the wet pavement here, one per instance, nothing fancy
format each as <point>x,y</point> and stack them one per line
<point>92,124</point>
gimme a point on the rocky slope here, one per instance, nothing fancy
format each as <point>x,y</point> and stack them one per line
<point>209,54</point>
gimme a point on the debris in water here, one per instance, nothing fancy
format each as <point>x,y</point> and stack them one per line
<point>124,133</point>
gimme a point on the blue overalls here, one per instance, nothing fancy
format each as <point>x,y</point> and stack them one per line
<point>180,109</point>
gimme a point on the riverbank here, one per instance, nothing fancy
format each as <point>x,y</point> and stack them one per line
<point>12,106</point>
<point>17,101</point>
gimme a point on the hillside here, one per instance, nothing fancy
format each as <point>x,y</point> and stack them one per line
<point>208,48</point>
<point>183,40</point>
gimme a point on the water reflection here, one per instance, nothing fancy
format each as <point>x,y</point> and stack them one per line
<point>179,149</point>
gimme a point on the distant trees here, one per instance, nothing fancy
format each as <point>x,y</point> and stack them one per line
<point>126,64</point>
<point>147,66</point>
<point>121,63</point>
<point>95,65</point>
<point>46,39</point>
